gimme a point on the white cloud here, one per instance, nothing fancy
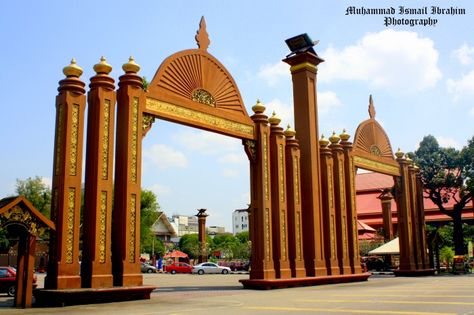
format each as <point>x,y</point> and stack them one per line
<point>272,74</point>
<point>462,87</point>
<point>165,157</point>
<point>233,158</point>
<point>464,54</point>
<point>327,100</point>
<point>471,111</point>
<point>447,142</point>
<point>208,143</point>
<point>160,190</point>
<point>282,110</point>
<point>400,61</point>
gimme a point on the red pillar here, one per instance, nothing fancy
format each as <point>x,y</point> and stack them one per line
<point>96,265</point>
<point>303,71</point>
<point>295,219</point>
<point>202,234</point>
<point>126,218</point>
<point>63,266</point>
<point>279,205</point>
<point>386,200</point>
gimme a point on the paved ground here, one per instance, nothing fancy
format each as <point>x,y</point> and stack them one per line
<point>222,294</point>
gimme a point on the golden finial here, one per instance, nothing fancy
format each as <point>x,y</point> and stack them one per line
<point>73,70</point>
<point>371,107</point>
<point>274,120</point>
<point>323,142</point>
<point>102,66</point>
<point>202,38</point>
<point>334,138</point>
<point>131,66</point>
<point>258,108</point>
<point>399,154</point>
<point>290,132</point>
<point>344,135</point>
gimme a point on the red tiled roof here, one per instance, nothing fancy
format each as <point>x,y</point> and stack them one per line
<point>371,181</point>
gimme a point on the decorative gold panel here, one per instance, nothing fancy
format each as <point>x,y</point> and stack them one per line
<point>71,207</point>
<point>265,167</point>
<point>59,140</point>
<point>105,140</point>
<point>132,227</point>
<point>204,97</point>
<point>298,235</point>
<point>102,226</point>
<point>266,222</point>
<point>283,234</point>
<point>332,223</point>
<point>17,215</point>
<point>363,162</point>
<point>281,169</point>
<point>296,170</point>
<point>74,140</point>
<point>199,118</point>
<point>134,144</point>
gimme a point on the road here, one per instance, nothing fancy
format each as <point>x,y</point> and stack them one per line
<point>223,294</point>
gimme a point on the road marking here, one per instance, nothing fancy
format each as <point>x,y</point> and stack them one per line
<point>387,302</point>
<point>343,311</point>
<point>402,295</point>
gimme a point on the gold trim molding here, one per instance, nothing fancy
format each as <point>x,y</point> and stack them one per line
<point>372,165</point>
<point>200,118</point>
<point>305,65</point>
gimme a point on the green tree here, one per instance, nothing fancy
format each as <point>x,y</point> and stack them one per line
<point>189,244</point>
<point>37,192</point>
<point>447,175</point>
<point>149,213</point>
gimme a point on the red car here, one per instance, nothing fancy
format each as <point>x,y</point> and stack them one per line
<point>179,267</point>
<point>8,280</point>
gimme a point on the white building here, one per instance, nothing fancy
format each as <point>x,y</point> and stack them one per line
<point>183,224</point>
<point>240,221</point>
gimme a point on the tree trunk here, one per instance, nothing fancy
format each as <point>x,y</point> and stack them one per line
<point>458,237</point>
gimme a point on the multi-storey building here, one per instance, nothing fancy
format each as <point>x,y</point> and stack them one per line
<point>240,221</point>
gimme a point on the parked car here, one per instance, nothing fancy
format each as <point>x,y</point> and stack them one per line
<point>8,280</point>
<point>209,267</point>
<point>147,268</point>
<point>179,267</point>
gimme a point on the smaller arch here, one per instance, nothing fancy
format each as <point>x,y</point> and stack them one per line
<point>372,148</point>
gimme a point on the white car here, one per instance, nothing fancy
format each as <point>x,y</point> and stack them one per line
<point>209,267</point>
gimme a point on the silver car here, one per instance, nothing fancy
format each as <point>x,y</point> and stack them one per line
<point>209,267</point>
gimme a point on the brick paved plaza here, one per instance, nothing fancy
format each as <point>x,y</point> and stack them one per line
<point>222,294</point>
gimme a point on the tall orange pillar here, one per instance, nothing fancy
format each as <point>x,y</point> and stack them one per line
<point>293,189</point>
<point>261,205</point>
<point>340,205</point>
<point>126,218</point>
<point>407,261</point>
<point>329,215</point>
<point>351,211</point>
<point>303,71</point>
<point>386,201</point>
<point>63,266</point>
<point>202,234</point>
<point>416,250</point>
<point>96,265</point>
<point>279,198</point>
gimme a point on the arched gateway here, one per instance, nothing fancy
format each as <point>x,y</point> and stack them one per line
<point>303,219</point>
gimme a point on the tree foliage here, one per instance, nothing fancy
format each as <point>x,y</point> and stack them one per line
<point>447,176</point>
<point>37,192</point>
<point>149,213</point>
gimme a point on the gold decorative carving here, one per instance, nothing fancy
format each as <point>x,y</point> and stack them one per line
<point>59,139</point>
<point>298,236</point>
<point>283,234</point>
<point>132,227</point>
<point>296,170</point>
<point>134,144</point>
<point>342,189</point>
<point>305,65</point>
<point>54,212</point>
<point>330,186</point>
<point>204,97</point>
<point>102,226</point>
<point>147,122</point>
<point>105,141</point>
<point>281,169</point>
<point>199,118</point>
<point>376,166</point>
<point>251,149</point>
<point>74,140</point>
<point>71,207</point>
<point>17,215</point>
<point>331,236</point>
<point>265,167</point>
<point>344,237</point>
<point>267,234</point>
<point>374,150</point>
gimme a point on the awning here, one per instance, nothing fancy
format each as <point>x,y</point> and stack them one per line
<point>389,248</point>
<point>176,254</point>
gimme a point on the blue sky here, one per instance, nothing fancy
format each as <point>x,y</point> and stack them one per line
<point>421,79</point>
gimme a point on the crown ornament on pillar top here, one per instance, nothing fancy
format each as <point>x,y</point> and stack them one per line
<point>202,37</point>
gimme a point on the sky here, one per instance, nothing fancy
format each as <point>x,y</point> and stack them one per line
<point>421,79</point>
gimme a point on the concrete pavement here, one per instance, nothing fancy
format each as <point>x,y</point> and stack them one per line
<point>222,294</point>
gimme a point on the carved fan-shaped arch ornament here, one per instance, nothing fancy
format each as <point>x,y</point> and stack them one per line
<point>192,87</point>
<point>372,149</point>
